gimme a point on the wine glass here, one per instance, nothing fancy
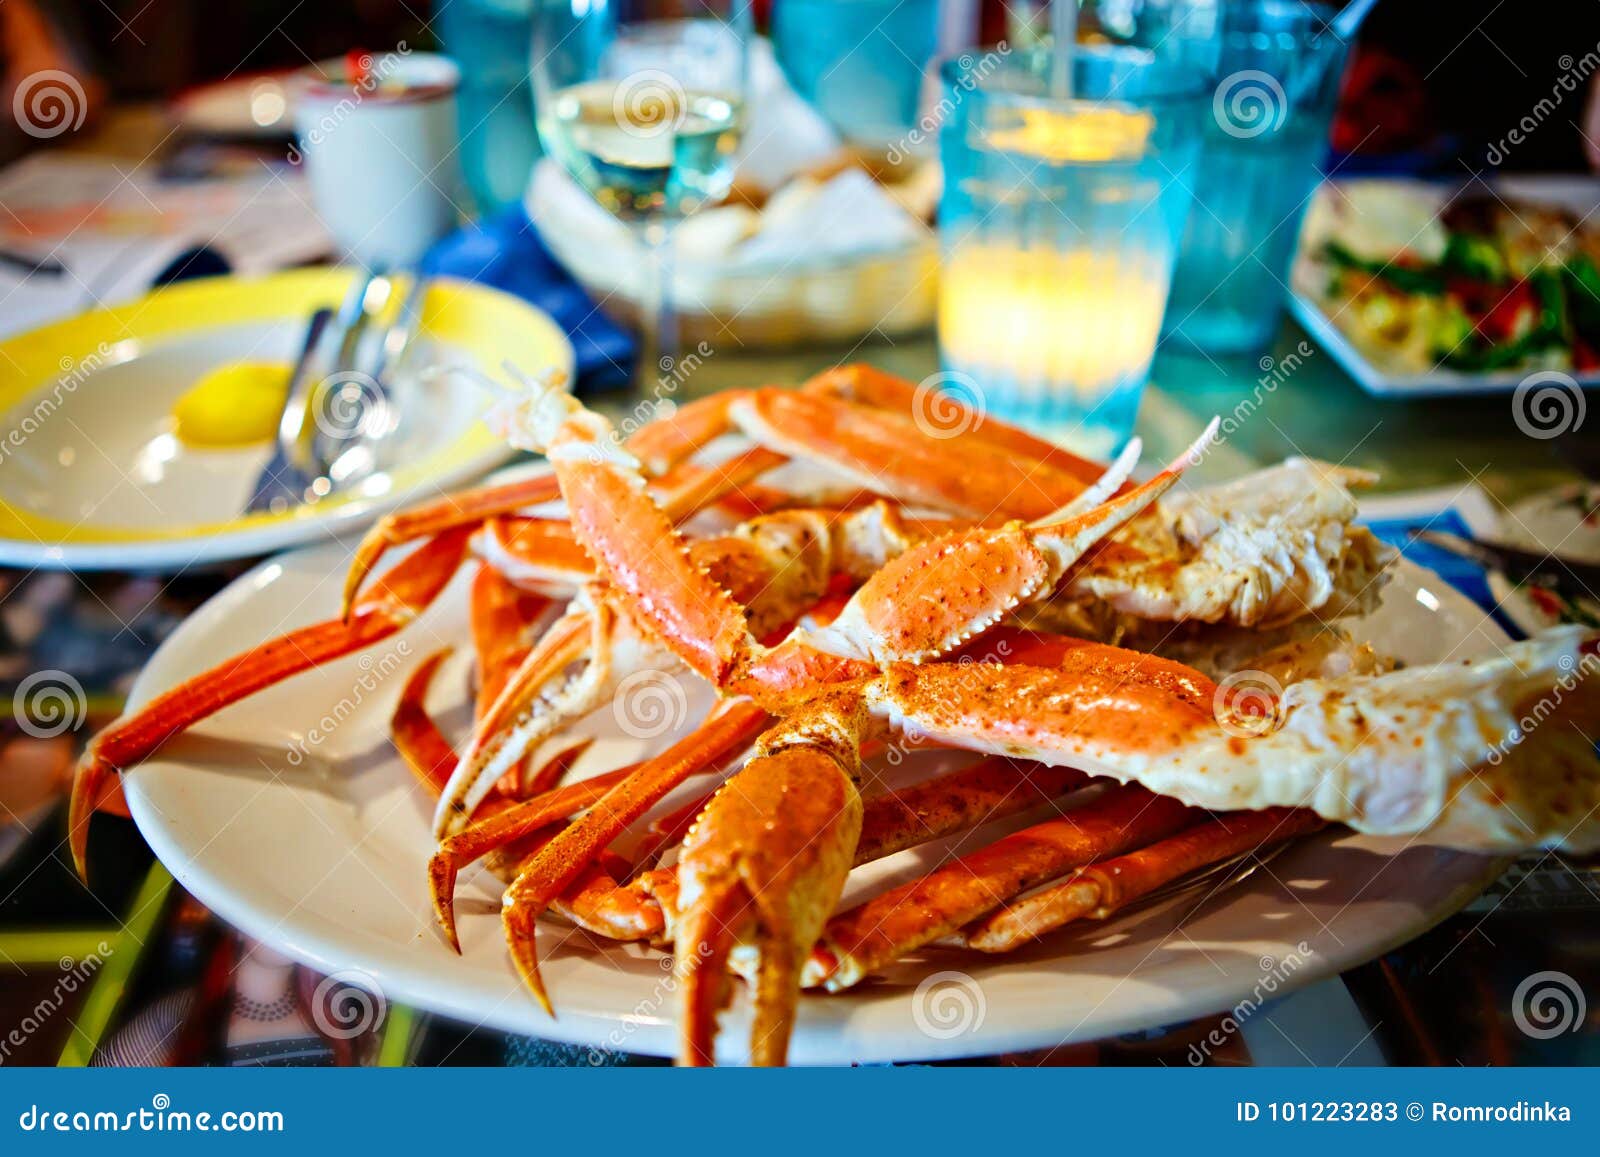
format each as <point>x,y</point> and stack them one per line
<point>642,103</point>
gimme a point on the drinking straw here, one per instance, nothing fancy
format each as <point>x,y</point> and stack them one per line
<point>1064,31</point>
<point>1344,27</point>
<point>1348,22</point>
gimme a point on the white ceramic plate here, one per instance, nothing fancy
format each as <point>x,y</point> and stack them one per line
<point>1371,370</point>
<point>94,478</point>
<point>321,853</point>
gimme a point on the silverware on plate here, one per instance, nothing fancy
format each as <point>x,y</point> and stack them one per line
<point>339,406</point>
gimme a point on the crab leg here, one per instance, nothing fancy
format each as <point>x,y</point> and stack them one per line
<point>429,754</point>
<point>400,596</point>
<point>661,445</point>
<point>533,703</point>
<point>461,512</point>
<point>899,455</point>
<point>548,774</point>
<point>944,592</point>
<point>416,737</point>
<point>887,927</point>
<point>777,566</point>
<point>599,902</point>
<point>638,553</point>
<point>987,790</point>
<point>535,552</point>
<point>895,820</point>
<point>670,829</point>
<point>503,618</point>
<point>520,820</point>
<point>595,900</point>
<point>924,603</point>
<point>763,890</point>
<point>728,731</point>
<point>1104,887</point>
<point>1046,475</point>
<point>862,383</point>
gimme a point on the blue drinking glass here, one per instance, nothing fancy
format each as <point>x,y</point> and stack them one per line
<point>488,40</point>
<point>859,62</point>
<point>1280,67</point>
<point>1058,229</point>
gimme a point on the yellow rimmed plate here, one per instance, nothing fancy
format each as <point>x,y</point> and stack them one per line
<point>93,476</point>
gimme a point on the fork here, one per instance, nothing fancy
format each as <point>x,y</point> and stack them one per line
<point>326,437</point>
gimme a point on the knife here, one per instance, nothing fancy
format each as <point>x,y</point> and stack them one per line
<point>1572,578</point>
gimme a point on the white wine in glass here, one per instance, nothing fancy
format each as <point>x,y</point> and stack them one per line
<point>642,103</point>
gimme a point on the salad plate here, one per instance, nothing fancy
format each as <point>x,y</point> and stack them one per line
<point>1422,290</point>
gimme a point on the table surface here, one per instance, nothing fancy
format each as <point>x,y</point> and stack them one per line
<point>1316,410</point>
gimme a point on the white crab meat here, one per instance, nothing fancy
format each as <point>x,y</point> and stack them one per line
<point>1255,552</point>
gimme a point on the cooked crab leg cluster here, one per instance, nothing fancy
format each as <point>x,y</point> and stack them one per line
<point>918,590</point>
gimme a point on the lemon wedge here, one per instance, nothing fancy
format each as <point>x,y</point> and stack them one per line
<point>234,405</point>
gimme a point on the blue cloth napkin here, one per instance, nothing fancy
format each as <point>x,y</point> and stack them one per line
<point>504,251</point>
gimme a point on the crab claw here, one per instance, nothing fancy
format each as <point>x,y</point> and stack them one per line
<point>760,872</point>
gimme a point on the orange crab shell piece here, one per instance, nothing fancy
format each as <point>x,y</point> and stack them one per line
<point>870,445</point>
<point>546,875</point>
<point>914,609</point>
<point>903,919</point>
<point>1095,694</point>
<point>664,588</point>
<point>743,876</point>
<point>1102,888</point>
<point>863,383</point>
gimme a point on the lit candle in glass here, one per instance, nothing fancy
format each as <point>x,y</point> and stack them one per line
<point>1059,225</point>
